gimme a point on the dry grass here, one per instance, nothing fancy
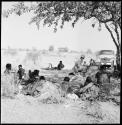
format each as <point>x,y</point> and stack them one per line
<point>96,112</point>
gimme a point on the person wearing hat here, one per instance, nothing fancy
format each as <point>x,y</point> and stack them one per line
<point>78,64</point>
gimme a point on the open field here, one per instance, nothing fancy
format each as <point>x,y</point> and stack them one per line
<point>43,58</point>
<point>25,109</point>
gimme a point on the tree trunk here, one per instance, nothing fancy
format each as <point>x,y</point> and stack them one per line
<point>118,58</point>
<point>118,46</point>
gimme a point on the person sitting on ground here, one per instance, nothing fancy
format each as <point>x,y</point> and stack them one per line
<point>76,79</point>
<point>65,86</point>
<point>34,85</point>
<point>8,81</point>
<point>92,62</point>
<point>102,76</point>
<point>38,86</point>
<point>28,84</point>
<point>60,66</point>
<point>71,76</point>
<point>86,85</point>
<point>84,64</point>
<point>8,69</point>
<point>21,72</point>
<point>30,74</point>
<point>33,76</point>
<point>78,64</point>
<point>71,94</point>
<point>90,90</point>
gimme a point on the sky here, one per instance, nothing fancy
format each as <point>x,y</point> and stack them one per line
<point>17,33</point>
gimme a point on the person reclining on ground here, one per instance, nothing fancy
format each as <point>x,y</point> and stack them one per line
<point>60,66</point>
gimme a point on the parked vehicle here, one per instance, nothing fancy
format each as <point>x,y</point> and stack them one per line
<point>107,58</point>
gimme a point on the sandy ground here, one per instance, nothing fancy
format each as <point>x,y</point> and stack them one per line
<point>26,109</point>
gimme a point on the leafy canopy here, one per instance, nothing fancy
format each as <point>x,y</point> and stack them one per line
<point>50,13</point>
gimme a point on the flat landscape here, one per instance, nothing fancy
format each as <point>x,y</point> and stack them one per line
<point>26,109</point>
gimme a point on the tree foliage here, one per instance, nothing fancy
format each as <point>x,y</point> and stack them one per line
<point>53,12</point>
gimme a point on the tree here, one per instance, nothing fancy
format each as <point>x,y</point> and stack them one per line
<point>63,49</point>
<point>89,51</point>
<point>107,13</point>
<point>51,48</point>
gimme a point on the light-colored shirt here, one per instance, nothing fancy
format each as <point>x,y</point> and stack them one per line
<point>78,65</point>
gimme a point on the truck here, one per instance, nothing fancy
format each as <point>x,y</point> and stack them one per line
<point>107,58</point>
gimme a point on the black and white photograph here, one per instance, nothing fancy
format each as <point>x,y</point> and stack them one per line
<point>60,62</point>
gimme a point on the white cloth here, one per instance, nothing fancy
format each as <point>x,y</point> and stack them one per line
<point>8,84</point>
<point>72,96</point>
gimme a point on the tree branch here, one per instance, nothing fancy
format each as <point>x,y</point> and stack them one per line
<point>111,35</point>
<point>117,33</point>
<point>107,9</point>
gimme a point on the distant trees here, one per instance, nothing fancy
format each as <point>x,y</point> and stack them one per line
<point>89,51</point>
<point>12,52</point>
<point>51,48</point>
<point>33,56</point>
<point>34,48</point>
<point>63,49</point>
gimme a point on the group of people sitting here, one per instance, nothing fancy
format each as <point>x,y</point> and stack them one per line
<point>75,82</point>
<point>22,81</point>
<point>33,84</point>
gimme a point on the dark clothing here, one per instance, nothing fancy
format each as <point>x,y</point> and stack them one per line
<point>34,74</point>
<point>102,77</point>
<point>30,74</point>
<point>21,73</point>
<point>92,62</point>
<point>60,66</point>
